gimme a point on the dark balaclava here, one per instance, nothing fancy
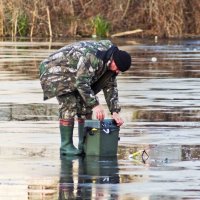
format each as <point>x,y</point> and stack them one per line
<point>122,60</point>
<point>106,55</point>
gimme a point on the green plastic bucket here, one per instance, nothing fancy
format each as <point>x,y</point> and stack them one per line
<point>101,137</point>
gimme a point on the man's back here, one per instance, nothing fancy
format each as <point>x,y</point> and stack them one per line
<point>58,73</point>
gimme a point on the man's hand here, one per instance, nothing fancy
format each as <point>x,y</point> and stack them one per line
<point>99,111</point>
<point>117,119</point>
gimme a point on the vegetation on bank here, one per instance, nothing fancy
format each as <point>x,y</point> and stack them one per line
<point>55,18</point>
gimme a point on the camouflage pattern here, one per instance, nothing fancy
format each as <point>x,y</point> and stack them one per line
<point>75,68</point>
<point>71,104</point>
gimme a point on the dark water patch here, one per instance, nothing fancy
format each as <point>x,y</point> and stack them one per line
<point>160,153</point>
<point>17,70</point>
<point>161,60</point>
<point>24,112</point>
<point>153,113</point>
<point>20,60</point>
<point>167,114</point>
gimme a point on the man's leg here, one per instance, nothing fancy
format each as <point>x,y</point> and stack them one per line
<point>67,111</point>
<point>83,114</point>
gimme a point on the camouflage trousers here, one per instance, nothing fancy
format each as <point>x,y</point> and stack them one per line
<point>71,105</point>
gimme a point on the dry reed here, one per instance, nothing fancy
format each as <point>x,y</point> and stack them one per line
<point>165,18</point>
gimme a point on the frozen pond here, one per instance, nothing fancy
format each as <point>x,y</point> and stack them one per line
<point>161,107</point>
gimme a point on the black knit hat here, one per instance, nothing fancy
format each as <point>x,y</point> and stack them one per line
<point>122,60</point>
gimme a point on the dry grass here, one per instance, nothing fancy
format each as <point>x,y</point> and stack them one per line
<point>165,18</point>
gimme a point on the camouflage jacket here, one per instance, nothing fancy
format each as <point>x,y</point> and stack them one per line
<point>75,68</point>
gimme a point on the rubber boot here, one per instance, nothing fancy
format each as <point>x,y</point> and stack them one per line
<point>81,135</point>
<point>66,131</point>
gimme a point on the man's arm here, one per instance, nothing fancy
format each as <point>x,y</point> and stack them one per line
<point>83,82</point>
<point>111,97</point>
